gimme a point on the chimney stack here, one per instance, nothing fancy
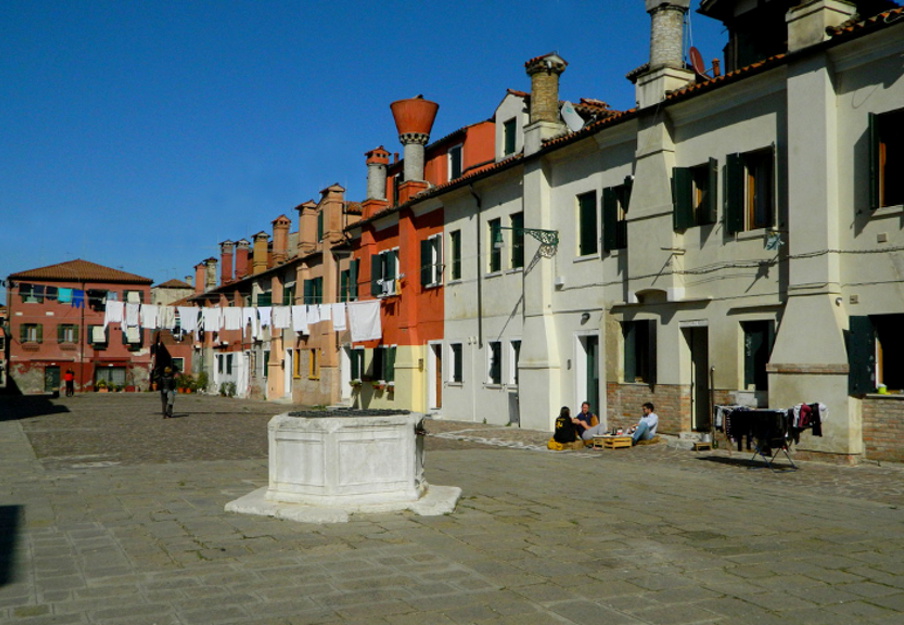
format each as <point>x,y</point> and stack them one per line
<point>667,32</point>
<point>414,120</point>
<point>259,253</point>
<point>281,239</point>
<point>200,270</point>
<point>210,274</point>
<point>227,250</point>
<point>241,258</point>
<point>545,123</point>
<point>377,161</point>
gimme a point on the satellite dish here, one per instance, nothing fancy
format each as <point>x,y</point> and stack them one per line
<point>571,117</point>
<point>697,62</point>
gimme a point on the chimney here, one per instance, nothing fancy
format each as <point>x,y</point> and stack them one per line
<point>241,258</point>
<point>545,123</point>
<point>307,227</point>
<point>189,280</point>
<point>377,160</point>
<point>808,22</point>
<point>210,274</point>
<point>281,239</point>
<point>200,270</point>
<point>259,253</point>
<point>414,121</point>
<point>667,32</point>
<point>227,250</point>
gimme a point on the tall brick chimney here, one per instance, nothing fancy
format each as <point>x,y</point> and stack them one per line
<point>545,122</point>
<point>259,255</point>
<point>414,120</point>
<point>377,161</point>
<point>281,238</point>
<point>227,251</point>
<point>307,226</point>
<point>200,271</point>
<point>242,253</point>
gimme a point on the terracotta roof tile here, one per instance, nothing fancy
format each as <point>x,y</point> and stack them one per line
<point>79,270</point>
<point>877,21</point>
<point>174,284</point>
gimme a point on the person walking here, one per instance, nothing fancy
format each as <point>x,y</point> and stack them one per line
<point>167,389</point>
<point>69,379</point>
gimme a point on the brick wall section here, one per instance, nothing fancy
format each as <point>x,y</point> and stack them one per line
<point>883,428</point>
<point>672,402</point>
<point>666,37</point>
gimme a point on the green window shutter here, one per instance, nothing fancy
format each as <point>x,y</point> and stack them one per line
<point>508,129</point>
<point>734,193</point>
<point>861,349</point>
<point>318,290</point>
<point>353,279</point>
<point>343,285</point>
<point>61,330</point>
<point>610,219</point>
<point>458,364</point>
<point>710,207</point>
<point>426,262</point>
<point>587,223</point>
<point>320,226</point>
<point>518,240</point>
<point>874,165</point>
<point>682,198</point>
<point>376,272</point>
<point>650,374</point>
<point>355,365</point>
<point>390,364</point>
<point>308,299</point>
<point>456,254</point>
<point>629,335</point>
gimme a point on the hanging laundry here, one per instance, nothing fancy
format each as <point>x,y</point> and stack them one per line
<point>78,298</point>
<point>325,311</point>
<point>65,296</point>
<point>148,315</point>
<point>232,318</point>
<point>113,312</point>
<point>211,319</point>
<point>313,314</point>
<point>282,317</point>
<point>250,322</point>
<point>188,319</point>
<point>166,318</point>
<point>300,319</point>
<point>339,317</point>
<point>364,320</point>
<point>132,311</point>
<point>265,313</point>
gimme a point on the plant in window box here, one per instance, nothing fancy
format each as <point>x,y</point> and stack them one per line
<point>390,386</point>
<point>379,385</point>
<point>356,383</point>
<point>101,386</point>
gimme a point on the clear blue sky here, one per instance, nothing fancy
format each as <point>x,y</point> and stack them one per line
<point>141,134</point>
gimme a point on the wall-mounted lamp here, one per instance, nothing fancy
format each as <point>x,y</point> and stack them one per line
<point>545,237</point>
<point>585,317</point>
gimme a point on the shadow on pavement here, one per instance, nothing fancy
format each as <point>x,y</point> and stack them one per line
<point>9,532</point>
<point>28,406</point>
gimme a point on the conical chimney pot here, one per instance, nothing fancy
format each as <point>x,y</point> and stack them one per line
<point>414,115</point>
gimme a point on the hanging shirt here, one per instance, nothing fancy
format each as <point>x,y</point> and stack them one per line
<point>265,312</point>
<point>300,319</point>
<point>148,316</point>
<point>211,319</point>
<point>78,298</point>
<point>112,313</point>
<point>339,317</point>
<point>232,318</point>
<point>166,317</point>
<point>364,320</point>
<point>65,296</point>
<point>282,317</point>
<point>132,311</point>
<point>249,321</point>
<point>188,319</point>
<point>313,314</point>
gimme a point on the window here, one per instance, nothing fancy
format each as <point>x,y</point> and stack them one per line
<point>229,364</point>
<point>288,294</point>
<point>517,240</point>
<point>348,282</point>
<point>384,364</point>
<point>131,336</point>
<point>455,245</point>
<point>130,297</point>
<point>455,162</point>
<point>457,363</point>
<point>98,336</point>
<point>265,298</point>
<point>313,291</point>
<point>67,333</point>
<point>758,339</point>
<point>313,364</point>
<point>110,375</point>
<point>874,347</point>
<point>31,333</point>
<point>587,235</point>
<point>514,357</point>
<point>694,195</point>
<point>750,190</point>
<point>356,360</point>
<point>494,366</point>
<point>495,259</point>
<point>320,225</point>
<point>886,144</point>
<point>384,269</point>
<point>31,293</point>
<point>640,351</point>
<point>265,364</point>
<point>509,129</point>
<point>615,215</point>
<point>220,360</point>
<point>178,364</point>
<point>97,299</point>
<point>431,261</point>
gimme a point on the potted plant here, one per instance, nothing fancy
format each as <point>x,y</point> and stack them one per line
<point>101,386</point>
<point>379,385</point>
<point>356,383</point>
<point>201,382</point>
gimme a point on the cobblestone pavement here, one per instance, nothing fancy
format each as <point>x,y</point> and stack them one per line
<point>110,514</point>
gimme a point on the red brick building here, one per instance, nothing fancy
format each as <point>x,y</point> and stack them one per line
<point>56,322</point>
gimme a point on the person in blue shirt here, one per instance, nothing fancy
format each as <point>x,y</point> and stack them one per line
<point>646,427</point>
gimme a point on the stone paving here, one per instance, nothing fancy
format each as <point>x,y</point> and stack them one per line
<point>109,514</point>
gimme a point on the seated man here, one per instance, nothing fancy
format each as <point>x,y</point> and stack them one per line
<point>646,427</point>
<point>587,424</point>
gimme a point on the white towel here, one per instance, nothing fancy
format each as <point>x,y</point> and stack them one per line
<point>232,318</point>
<point>364,320</point>
<point>112,313</point>
<point>265,313</point>
<point>166,317</point>
<point>211,318</point>
<point>300,319</point>
<point>188,319</point>
<point>339,317</point>
<point>325,312</point>
<point>132,311</point>
<point>282,317</point>
<point>148,315</point>
<point>249,316</point>
<point>313,314</point>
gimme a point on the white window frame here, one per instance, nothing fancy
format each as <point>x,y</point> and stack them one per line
<point>389,287</point>
<point>513,358</point>
<point>436,260</point>
<point>460,148</point>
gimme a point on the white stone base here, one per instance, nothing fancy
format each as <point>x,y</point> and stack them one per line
<point>438,500</point>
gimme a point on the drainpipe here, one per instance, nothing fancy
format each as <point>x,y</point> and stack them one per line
<point>479,269</point>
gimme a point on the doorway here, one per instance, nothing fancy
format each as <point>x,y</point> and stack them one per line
<point>697,339</point>
<point>587,376</point>
<point>435,376</point>
<point>51,379</point>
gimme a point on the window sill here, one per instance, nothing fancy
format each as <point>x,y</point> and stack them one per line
<point>751,235</point>
<point>514,270</point>
<point>493,274</point>
<point>454,282</point>
<point>586,257</point>
<point>893,395</point>
<point>493,385</point>
<point>455,384</point>
<point>433,285</point>
<point>888,211</point>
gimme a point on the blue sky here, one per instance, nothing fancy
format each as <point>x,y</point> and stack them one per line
<point>141,134</point>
